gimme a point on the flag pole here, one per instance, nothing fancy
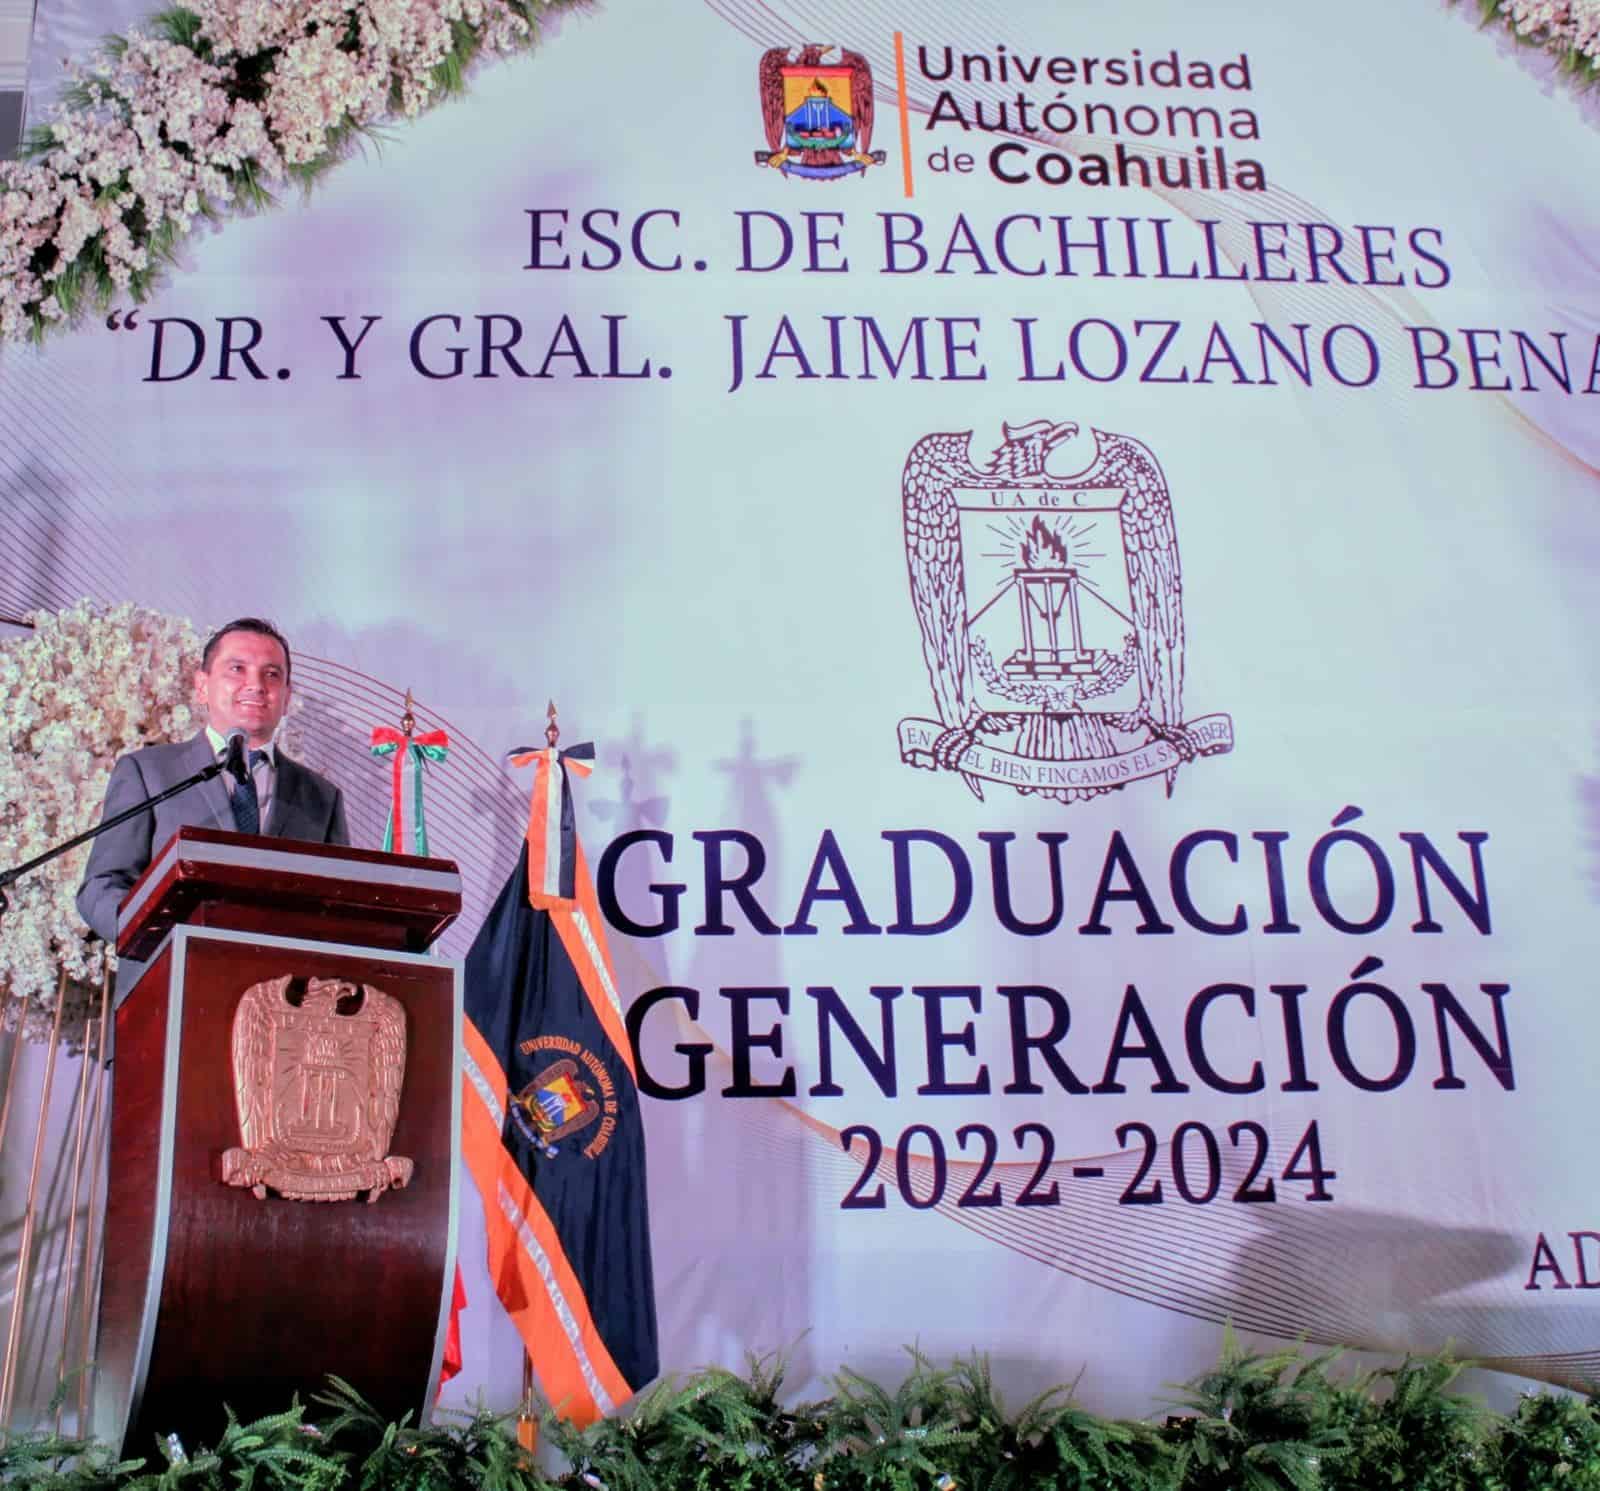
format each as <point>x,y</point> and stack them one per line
<point>70,1258</point>
<point>11,1080</point>
<point>19,1287</point>
<point>92,1237</point>
<point>527,1421</point>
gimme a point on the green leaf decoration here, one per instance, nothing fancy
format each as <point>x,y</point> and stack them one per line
<point>1255,1421</point>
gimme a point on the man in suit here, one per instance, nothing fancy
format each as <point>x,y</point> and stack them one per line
<point>242,684</point>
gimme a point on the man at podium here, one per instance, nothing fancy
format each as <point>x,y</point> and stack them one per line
<point>242,684</point>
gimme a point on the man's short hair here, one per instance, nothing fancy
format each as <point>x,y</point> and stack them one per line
<point>248,624</point>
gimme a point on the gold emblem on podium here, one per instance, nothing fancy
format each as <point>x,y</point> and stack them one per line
<point>317,1076</point>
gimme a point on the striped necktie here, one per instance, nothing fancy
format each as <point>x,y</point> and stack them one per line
<point>244,801</point>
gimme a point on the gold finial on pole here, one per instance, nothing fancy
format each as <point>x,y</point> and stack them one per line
<point>552,731</point>
<point>408,720</point>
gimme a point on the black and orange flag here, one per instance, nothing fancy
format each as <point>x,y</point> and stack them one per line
<point>550,1121</point>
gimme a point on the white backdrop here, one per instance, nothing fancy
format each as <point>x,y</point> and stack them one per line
<point>1387,590</point>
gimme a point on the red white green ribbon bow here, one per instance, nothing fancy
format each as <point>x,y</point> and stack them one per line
<point>411,754</point>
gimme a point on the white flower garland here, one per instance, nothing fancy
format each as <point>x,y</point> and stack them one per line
<point>1568,28</point>
<point>87,685</point>
<point>222,99</point>
<point>226,97</point>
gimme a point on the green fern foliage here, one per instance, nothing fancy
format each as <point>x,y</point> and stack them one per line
<point>1550,1443</point>
<point>1279,1421</point>
<point>1408,1431</point>
<point>1258,1422</point>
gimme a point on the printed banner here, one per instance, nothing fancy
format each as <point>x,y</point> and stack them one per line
<point>1075,537</point>
<point>1026,774</point>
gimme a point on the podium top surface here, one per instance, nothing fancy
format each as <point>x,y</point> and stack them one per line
<point>254,882</point>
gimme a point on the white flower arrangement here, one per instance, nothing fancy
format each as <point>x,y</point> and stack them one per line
<point>220,101</point>
<point>1570,29</point>
<point>87,685</point>
<point>225,98</point>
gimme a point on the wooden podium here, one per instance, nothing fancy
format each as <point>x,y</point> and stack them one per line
<point>219,1291</point>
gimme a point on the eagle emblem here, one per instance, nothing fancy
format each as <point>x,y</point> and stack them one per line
<point>558,1102</point>
<point>818,115</point>
<point>1051,616</point>
<point>317,1073</point>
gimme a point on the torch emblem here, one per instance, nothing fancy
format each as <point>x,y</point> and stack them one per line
<point>1051,615</point>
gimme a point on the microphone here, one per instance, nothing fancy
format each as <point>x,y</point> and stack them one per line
<point>235,764</point>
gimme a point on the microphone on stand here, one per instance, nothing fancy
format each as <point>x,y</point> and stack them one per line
<point>235,764</point>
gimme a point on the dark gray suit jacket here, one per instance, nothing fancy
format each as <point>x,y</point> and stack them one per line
<point>304,806</point>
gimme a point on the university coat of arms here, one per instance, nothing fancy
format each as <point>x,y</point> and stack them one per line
<point>1051,614</point>
<point>818,115</point>
<point>558,1102</point>
<point>317,1078</point>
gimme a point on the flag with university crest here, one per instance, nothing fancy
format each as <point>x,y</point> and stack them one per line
<point>551,1126</point>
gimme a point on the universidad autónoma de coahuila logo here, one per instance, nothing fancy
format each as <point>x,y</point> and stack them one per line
<point>818,114</point>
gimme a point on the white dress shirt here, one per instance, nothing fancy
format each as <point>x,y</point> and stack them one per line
<point>264,772</point>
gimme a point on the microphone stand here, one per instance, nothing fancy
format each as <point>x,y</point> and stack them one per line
<point>10,877</point>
